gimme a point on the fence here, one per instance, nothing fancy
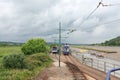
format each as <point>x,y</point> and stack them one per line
<point>98,63</point>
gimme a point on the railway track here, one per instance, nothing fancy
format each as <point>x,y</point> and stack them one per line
<point>74,69</point>
<point>96,74</point>
<point>78,69</point>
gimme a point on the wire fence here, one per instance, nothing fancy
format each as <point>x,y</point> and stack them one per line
<point>98,63</point>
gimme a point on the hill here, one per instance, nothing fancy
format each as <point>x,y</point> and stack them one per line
<point>2,43</point>
<point>112,42</point>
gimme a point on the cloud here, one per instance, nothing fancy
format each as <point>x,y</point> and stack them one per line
<point>21,20</point>
<point>7,9</point>
<point>99,31</point>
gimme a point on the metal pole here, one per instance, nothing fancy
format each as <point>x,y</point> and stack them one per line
<point>59,42</point>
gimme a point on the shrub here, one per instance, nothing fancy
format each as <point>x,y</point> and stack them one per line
<point>48,49</point>
<point>34,46</point>
<point>40,57</point>
<point>14,61</point>
<point>51,45</point>
<point>32,63</point>
<point>35,60</point>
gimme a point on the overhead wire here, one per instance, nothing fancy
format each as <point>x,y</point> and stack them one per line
<point>91,13</point>
<point>103,5</point>
<point>109,22</point>
<point>116,4</point>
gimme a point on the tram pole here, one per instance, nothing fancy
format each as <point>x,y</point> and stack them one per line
<point>59,41</point>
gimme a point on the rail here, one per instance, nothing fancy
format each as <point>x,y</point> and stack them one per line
<point>110,71</point>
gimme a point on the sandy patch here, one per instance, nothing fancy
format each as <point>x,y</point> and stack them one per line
<point>57,64</point>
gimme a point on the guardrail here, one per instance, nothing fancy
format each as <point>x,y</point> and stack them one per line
<point>98,64</point>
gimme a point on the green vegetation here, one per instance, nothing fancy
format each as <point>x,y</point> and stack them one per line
<point>14,61</point>
<point>14,65</point>
<point>35,60</point>
<point>9,50</point>
<point>51,45</point>
<point>34,46</point>
<point>48,49</point>
<point>105,51</point>
<point>112,42</point>
<point>10,44</point>
<point>34,64</point>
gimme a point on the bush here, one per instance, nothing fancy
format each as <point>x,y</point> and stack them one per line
<point>48,49</point>
<point>34,46</point>
<point>35,60</point>
<point>32,63</point>
<point>14,61</point>
<point>40,57</point>
<point>51,45</point>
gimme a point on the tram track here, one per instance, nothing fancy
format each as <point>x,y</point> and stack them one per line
<point>94,73</point>
<point>74,69</point>
<point>78,69</point>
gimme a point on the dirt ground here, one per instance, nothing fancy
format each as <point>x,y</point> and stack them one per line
<point>56,73</point>
<point>113,56</point>
<point>64,72</point>
<point>70,69</point>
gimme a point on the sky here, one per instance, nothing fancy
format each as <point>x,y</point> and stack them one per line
<point>21,20</point>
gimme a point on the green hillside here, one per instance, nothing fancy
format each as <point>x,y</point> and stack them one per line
<point>2,43</point>
<point>112,42</point>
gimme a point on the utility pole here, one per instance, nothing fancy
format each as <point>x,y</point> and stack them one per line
<point>55,41</point>
<point>59,50</point>
<point>59,41</point>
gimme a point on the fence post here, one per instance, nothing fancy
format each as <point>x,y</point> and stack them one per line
<point>105,66</point>
<point>114,68</point>
<point>82,59</point>
<point>98,64</point>
<point>91,62</point>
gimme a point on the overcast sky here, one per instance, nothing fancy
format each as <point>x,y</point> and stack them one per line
<point>21,20</point>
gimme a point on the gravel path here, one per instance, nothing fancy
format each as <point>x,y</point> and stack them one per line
<point>73,70</point>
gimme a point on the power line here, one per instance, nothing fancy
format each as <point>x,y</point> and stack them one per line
<point>104,5</point>
<point>99,4</point>
<point>116,4</point>
<point>109,22</point>
<point>91,12</point>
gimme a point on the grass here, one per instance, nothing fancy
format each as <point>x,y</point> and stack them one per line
<point>105,51</point>
<point>19,74</point>
<point>23,74</point>
<point>9,50</point>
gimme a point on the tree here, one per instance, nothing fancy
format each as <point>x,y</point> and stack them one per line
<point>34,46</point>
